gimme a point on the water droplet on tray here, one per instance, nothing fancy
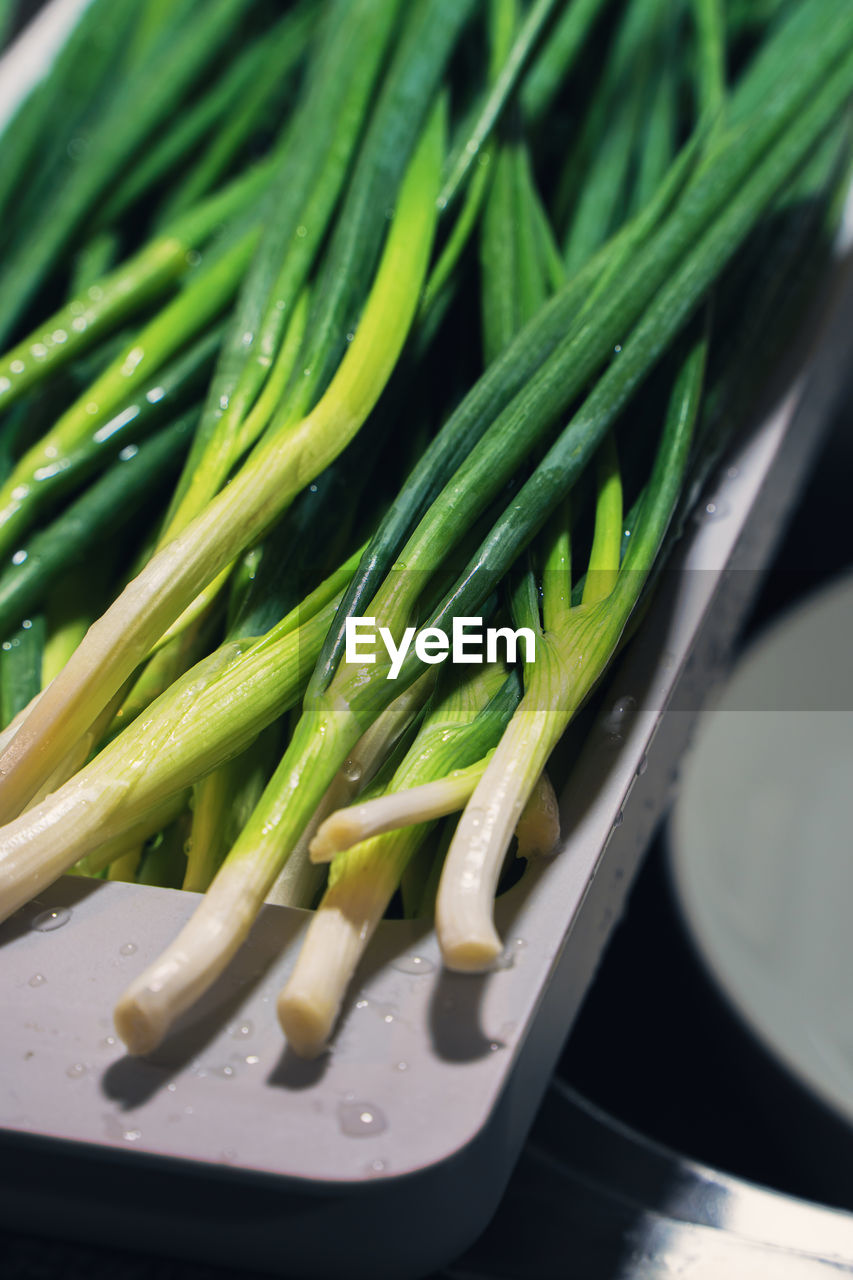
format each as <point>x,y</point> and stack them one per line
<point>37,980</point>
<point>76,1070</point>
<point>239,1030</point>
<point>53,918</point>
<point>127,949</point>
<point>414,964</point>
<point>618,717</point>
<point>715,509</point>
<point>361,1119</point>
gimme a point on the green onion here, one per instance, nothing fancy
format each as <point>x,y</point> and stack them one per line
<point>570,657</point>
<point>211,714</point>
<point>332,722</point>
<point>344,398</point>
<point>109,301</point>
<point>109,146</point>
<point>463,722</point>
<point>81,442</point>
<point>263,488</point>
<point>97,514</point>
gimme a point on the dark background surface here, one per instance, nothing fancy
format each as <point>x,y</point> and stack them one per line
<point>651,1005</point>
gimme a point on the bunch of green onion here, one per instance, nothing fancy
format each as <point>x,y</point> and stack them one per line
<point>413,310</point>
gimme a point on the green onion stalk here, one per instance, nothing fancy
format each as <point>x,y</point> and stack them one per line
<point>225,118</point>
<point>444,795</point>
<point>218,928</point>
<point>100,512</point>
<point>666,286</point>
<point>93,416</point>
<point>275,473</point>
<point>460,724</point>
<point>222,804</point>
<point>138,106</point>
<point>260,389</point>
<point>574,645</point>
<point>208,716</point>
<point>258,352</point>
<point>300,879</point>
<point>170,258</point>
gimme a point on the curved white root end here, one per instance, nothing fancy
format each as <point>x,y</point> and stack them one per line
<point>190,965</point>
<point>152,1003</point>
<point>339,831</point>
<point>337,936</point>
<point>465,902</point>
<point>309,1003</point>
<point>346,827</point>
<point>306,1021</point>
<point>140,1028</point>
<point>471,953</point>
<point>464,906</point>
